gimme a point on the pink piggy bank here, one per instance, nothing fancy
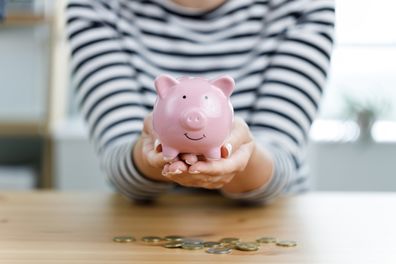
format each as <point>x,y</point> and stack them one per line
<point>193,115</point>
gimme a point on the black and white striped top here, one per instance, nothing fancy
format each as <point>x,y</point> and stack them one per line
<point>277,51</point>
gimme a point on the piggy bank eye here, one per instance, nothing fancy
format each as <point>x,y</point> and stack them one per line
<point>206,97</point>
<point>184,97</point>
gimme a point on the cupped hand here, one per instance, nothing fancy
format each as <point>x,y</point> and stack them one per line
<point>193,171</point>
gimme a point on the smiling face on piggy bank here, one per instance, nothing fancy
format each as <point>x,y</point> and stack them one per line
<point>193,115</point>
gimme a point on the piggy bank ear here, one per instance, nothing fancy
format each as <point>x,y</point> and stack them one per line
<point>163,84</point>
<point>225,83</point>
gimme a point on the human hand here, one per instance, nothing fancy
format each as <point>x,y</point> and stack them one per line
<point>147,152</point>
<point>214,174</point>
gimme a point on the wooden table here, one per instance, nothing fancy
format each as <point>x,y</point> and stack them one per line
<point>51,227</point>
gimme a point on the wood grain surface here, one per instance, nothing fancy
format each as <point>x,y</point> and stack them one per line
<point>50,227</point>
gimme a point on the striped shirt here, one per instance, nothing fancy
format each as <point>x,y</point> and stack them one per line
<point>278,52</point>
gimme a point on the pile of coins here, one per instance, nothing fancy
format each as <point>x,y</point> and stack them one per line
<point>223,246</point>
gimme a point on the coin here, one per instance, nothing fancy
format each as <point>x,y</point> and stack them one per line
<point>219,250</point>
<point>266,240</point>
<point>193,241</point>
<point>228,245</point>
<point>151,239</point>
<point>191,246</point>
<point>211,243</point>
<point>229,240</point>
<point>247,246</point>
<point>286,243</point>
<point>173,244</point>
<point>173,238</point>
<point>123,239</point>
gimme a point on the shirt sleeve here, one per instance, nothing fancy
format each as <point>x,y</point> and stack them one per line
<point>107,94</point>
<point>287,101</point>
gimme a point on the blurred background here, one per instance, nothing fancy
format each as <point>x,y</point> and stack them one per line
<point>43,142</point>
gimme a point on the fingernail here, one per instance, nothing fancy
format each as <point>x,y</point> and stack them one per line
<point>176,172</point>
<point>194,172</point>
<point>156,144</point>
<point>228,146</point>
<point>188,162</point>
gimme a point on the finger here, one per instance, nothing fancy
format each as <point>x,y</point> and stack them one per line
<point>148,124</point>
<point>157,146</point>
<point>240,134</point>
<point>185,177</point>
<point>201,181</point>
<point>147,143</point>
<point>165,170</point>
<point>189,180</point>
<point>153,158</point>
<point>190,159</point>
<point>236,163</point>
<point>213,167</point>
<point>178,167</point>
<point>217,182</point>
<point>220,179</point>
<point>226,150</point>
<point>156,159</point>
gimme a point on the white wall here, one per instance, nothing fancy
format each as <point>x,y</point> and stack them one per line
<point>23,73</point>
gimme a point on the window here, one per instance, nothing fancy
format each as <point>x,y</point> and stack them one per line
<point>363,74</point>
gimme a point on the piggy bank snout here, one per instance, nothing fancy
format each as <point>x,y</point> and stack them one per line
<point>193,119</point>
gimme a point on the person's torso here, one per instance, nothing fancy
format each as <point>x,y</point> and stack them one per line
<point>236,38</point>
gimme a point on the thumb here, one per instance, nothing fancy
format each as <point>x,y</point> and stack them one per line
<point>240,134</point>
<point>226,150</point>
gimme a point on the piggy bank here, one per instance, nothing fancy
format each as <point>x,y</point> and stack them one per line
<point>193,115</point>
